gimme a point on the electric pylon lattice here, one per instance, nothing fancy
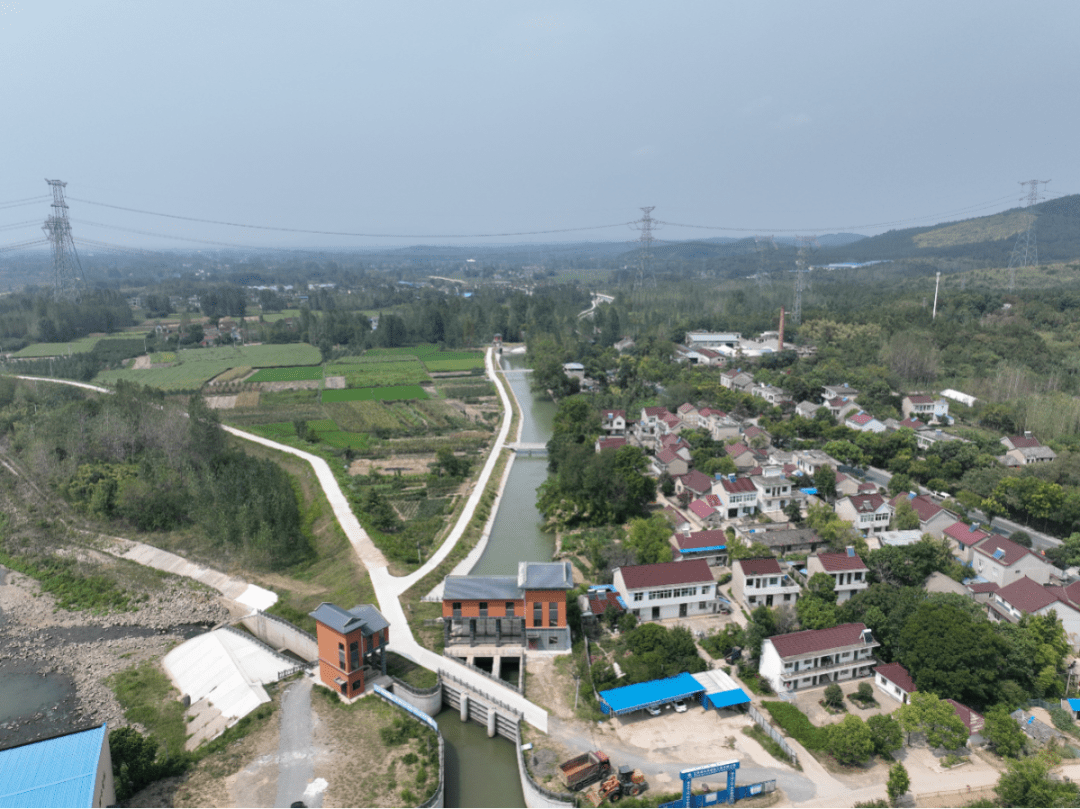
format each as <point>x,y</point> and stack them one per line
<point>68,280</point>
<point>646,225</point>
<point>801,267</point>
<point>1026,251</point>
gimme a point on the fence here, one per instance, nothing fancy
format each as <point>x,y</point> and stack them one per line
<point>954,797</point>
<point>420,692</point>
<point>774,734</point>
<point>520,687</point>
<point>486,698</point>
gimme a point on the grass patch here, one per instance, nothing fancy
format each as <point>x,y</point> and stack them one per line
<point>80,346</point>
<point>769,743</point>
<point>797,725</point>
<point>375,374</point>
<point>410,672</point>
<point>295,374</point>
<point>392,393</point>
<point>439,365</point>
<point>73,590</point>
<point>149,699</point>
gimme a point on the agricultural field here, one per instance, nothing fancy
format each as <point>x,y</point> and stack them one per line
<point>385,394</point>
<point>363,417</point>
<point>405,351</point>
<point>294,374</point>
<point>81,346</point>
<point>272,317</point>
<point>193,368</point>
<point>379,374</point>
<point>466,389</point>
<point>444,366</point>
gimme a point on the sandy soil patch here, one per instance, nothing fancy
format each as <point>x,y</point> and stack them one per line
<point>408,464</point>
<point>335,382</point>
<point>221,402</point>
<point>141,363</point>
<point>249,398</point>
<point>546,685</point>
<point>295,384</point>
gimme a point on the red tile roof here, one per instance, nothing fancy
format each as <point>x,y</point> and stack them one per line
<point>920,398</point>
<point>701,539</point>
<point>926,508</point>
<point>1027,595</point>
<point>659,412</point>
<point>835,562</point>
<point>861,418</point>
<point>895,673</point>
<point>760,567</point>
<point>611,443</point>
<point>738,486</point>
<point>974,722</point>
<point>753,431</point>
<point>735,450</point>
<point>675,514</point>
<point>1019,441</point>
<point>671,420</point>
<point>701,509</point>
<point>962,533</point>
<point>912,423</point>
<point>713,500</point>
<point>696,481</point>
<point>809,641</point>
<point>666,456</point>
<point>637,577</point>
<point>982,587</point>
<point>611,415</point>
<point>1012,552</point>
<point>598,602</point>
<point>866,503</point>
<point>686,407</point>
<point>868,488</point>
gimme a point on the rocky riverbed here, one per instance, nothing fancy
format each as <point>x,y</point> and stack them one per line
<point>73,653</point>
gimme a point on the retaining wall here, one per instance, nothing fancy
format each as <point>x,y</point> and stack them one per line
<point>478,706</point>
<point>438,797</point>
<point>428,700</point>
<point>536,795</point>
<point>280,634</point>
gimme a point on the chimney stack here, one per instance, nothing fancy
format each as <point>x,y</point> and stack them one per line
<point>780,340</point>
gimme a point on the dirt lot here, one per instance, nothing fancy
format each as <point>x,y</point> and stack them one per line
<point>407,464</point>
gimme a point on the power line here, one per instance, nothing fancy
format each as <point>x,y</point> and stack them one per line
<point>347,233</point>
<point>22,245</point>
<point>16,225</point>
<point>17,203</point>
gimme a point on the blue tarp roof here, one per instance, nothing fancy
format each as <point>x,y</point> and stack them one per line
<point>809,490</point>
<point>1074,704</point>
<point>725,699</point>
<point>54,772</point>
<point>655,692</point>
<point>703,550</point>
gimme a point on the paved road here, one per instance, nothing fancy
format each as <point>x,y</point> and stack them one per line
<point>296,753</point>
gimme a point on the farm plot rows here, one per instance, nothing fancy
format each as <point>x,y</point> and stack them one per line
<point>380,374</point>
<point>443,366</point>
<point>385,394</point>
<point>196,367</point>
<point>294,374</point>
<point>80,346</point>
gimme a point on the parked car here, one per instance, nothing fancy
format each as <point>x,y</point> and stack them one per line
<point>680,706</point>
<point>654,710</point>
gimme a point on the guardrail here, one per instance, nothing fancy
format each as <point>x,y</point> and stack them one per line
<point>472,689</point>
<point>420,692</point>
<point>520,687</point>
<point>953,797</point>
<point>774,734</point>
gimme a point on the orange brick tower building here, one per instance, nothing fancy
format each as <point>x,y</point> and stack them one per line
<point>352,644</point>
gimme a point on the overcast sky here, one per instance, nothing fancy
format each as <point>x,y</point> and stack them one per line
<point>470,118</point>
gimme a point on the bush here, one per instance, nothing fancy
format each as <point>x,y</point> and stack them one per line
<point>864,693</point>
<point>797,725</point>
<point>850,741</point>
<point>834,696</point>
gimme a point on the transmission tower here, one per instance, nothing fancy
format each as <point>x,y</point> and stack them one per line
<point>68,278</point>
<point>1026,252</point>
<point>763,245</point>
<point>801,268</point>
<point>646,225</point>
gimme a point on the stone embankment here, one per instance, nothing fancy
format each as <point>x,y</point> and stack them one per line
<point>82,650</point>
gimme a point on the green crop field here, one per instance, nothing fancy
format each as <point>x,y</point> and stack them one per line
<point>363,416</point>
<point>443,366</point>
<point>380,374</point>
<point>81,346</point>
<point>271,317</point>
<point>297,374</point>
<point>196,367</point>
<point>387,394</point>
<point>416,351</point>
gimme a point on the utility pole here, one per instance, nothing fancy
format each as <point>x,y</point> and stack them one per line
<point>805,243</point>
<point>646,225</point>
<point>68,279</point>
<point>937,286</point>
<point>1026,252</point>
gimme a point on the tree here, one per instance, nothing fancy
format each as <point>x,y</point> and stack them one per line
<point>762,625</point>
<point>794,512</point>
<point>1027,782</point>
<point>822,586</point>
<point>850,741</point>
<point>886,733</point>
<point>648,539</point>
<point>825,482</point>
<point>898,782</point>
<point>1021,538</point>
<point>834,696</point>
<point>935,719</point>
<point>1002,732</point>
<point>905,518</point>
<point>864,693</point>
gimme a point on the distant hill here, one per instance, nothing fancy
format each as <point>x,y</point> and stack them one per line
<point>986,238</point>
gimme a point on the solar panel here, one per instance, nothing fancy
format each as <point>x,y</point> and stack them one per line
<point>999,553</point>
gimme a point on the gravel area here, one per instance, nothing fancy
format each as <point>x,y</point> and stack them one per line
<point>82,650</point>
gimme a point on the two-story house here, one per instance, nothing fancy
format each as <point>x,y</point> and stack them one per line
<point>696,482</point>
<point>925,407</point>
<point>743,457</point>
<point>1024,450</point>
<point>775,396</point>
<point>527,610</point>
<point>667,589</point>
<point>688,413</point>
<point>780,538</point>
<point>868,513</point>
<point>1027,597</point>
<point>651,424</point>
<point>710,545</point>
<point>962,538</point>
<point>847,569</point>
<point>757,582</point>
<point>736,379</point>
<point>832,391</point>
<point>1002,561</point>
<point>933,519</point>
<point>720,425</point>
<point>809,461</point>
<point>864,422</point>
<point>841,406</point>
<point>350,642</point>
<point>817,657</point>
<point>613,422</point>
<point>774,490</point>
<point>738,497</point>
<point>670,461</point>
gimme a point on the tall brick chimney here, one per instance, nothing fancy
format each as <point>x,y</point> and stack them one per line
<point>780,347</point>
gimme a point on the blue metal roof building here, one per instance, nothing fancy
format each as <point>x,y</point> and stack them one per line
<point>70,770</point>
<point>618,701</point>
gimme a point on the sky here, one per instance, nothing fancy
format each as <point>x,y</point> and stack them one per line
<point>432,123</point>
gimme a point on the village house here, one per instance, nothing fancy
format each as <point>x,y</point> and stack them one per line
<point>868,513</point>
<point>846,485</point>
<point>924,439</point>
<point>678,444</point>
<point>962,538</point>
<point>774,490</point>
<point>697,483</point>
<point>1002,561</point>
<point>924,407</point>
<point>757,582</point>
<point>864,422</point>
<point>613,422</point>
<point>933,519</point>
<point>712,339</point>
<point>352,646</point>
<point>974,722</point>
<point>845,390</point>
<point>736,379</point>
<point>743,456</point>
<point>775,396</point>
<point>848,571</point>
<point>1027,597</point>
<point>1024,450</point>
<point>676,518</point>
<point>810,460</point>
<point>894,681</point>
<point>667,589</point>
<point>651,424</point>
<point>526,610</point>
<point>720,425</point>
<point>780,538</point>
<point>688,413</point>
<point>598,600</point>
<point>755,436</point>
<point>807,409</point>
<point>840,406</point>
<point>738,497</point>
<point>710,545</point>
<point>816,657</point>
<point>610,443</point>
<point>669,461</point>
<point>705,512</point>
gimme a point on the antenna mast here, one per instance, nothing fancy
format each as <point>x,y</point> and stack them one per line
<point>1026,252</point>
<point>68,279</point>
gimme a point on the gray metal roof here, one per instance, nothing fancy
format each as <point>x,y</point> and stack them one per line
<point>545,575</point>
<point>484,588</point>
<point>364,616</point>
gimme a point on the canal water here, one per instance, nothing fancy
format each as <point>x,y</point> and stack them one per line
<point>482,771</point>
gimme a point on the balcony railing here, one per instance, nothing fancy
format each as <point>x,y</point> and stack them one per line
<point>844,664</point>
